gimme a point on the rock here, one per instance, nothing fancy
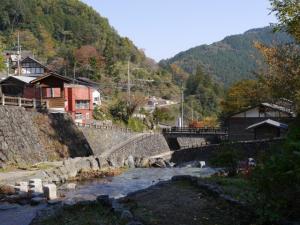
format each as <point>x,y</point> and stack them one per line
<point>169,164</point>
<point>131,163</point>
<point>134,223</point>
<point>126,216</point>
<point>54,202</point>
<point>38,200</point>
<point>144,163</point>
<point>160,163</point>
<point>7,206</point>
<point>104,200</point>
<point>69,203</point>
<point>182,178</point>
<point>71,186</point>
<point>7,189</point>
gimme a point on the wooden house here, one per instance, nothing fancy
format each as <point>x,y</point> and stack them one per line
<point>238,123</point>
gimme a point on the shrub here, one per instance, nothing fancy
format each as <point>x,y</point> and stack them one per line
<point>229,158</point>
<point>277,181</point>
<point>136,125</point>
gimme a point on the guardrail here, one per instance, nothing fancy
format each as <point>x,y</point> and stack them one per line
<point>187,130</point>
<point>103,127</point>
<point>22,102</point>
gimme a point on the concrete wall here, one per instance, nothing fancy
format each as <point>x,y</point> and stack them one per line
<point>251,149</point>
<point>30,137</point>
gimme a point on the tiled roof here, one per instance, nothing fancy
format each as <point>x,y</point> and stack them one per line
<point>269,122</point>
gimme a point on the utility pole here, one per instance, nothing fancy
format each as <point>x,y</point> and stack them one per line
<point>128,81</point>
<point>19,55</point>
<point>182,100</point>
<point>192,111</point>
<point>74,72</point>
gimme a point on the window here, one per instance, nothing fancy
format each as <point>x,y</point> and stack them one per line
<point>82,104</point>
<point>78,116</point>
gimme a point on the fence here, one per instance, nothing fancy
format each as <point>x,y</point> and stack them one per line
<point>103,127</point>
<point>188,130</point>
<point>22,102</point>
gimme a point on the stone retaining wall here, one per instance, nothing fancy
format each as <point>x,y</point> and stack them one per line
<point>102,140</point>
<point>30,137</point>
<point>250,149</point>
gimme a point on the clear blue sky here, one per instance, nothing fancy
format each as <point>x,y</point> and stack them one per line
<point>165,27</point>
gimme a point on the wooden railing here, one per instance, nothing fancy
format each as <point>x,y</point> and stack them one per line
<point>22,102</point>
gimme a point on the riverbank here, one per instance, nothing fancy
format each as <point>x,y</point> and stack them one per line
<point>183,200</point>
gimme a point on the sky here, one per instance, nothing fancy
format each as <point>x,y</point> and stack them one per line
<point>163,28</point>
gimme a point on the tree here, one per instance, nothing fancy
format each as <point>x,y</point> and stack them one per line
<point>89,61</point>
<point>243,94</point>
<point>203,93</point>
<point>162,115</point>
<point>2,60</point>
<point>282,74</point>
<point>288,14</point>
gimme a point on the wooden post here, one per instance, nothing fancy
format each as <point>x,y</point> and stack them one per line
<point>19,101</point>
<point>3,99</point>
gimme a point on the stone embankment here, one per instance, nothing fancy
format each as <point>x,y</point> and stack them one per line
<point>30,137</point>
<point>104,138</point>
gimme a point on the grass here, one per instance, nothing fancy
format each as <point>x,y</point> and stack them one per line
<point>94,214</point>
<point>237,187</point>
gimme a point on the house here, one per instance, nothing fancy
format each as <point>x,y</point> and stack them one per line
<point>79,102</point>
<point>62,94</point>
<point>30,67</point>
<point>243,125</point>
<point>48,88</point>
<point>268,129</point>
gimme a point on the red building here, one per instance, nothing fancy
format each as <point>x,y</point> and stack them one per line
<point>79,102</point>
<point>38,82</point>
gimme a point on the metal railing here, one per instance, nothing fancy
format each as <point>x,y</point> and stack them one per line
<point>187,130</point>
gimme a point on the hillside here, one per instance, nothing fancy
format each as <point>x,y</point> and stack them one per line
<point>232,59</point>
<point>68,35</point>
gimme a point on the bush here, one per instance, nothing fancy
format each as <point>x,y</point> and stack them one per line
<point>277,181</point>
<point>136,125</point>
<point>228,158</point>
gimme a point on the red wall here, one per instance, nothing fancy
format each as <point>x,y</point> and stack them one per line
<point>74,93</point>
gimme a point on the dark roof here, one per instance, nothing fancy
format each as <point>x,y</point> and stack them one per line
<point>87,82</point>
<point>65,79</point>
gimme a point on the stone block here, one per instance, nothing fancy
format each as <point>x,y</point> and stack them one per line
<point>50,191</point>
<point>22,187</point>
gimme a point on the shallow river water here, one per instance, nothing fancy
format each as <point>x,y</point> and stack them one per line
<point>130,181</point>
<point>116,187</point>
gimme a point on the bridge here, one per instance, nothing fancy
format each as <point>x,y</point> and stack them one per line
<point>195,132</point>
<point>179,136</point>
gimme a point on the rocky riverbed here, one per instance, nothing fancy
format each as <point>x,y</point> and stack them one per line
<point>130,181</point>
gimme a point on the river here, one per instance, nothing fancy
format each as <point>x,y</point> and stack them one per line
<point>130,181</point>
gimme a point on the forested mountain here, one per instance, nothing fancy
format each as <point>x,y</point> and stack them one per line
<point>232,59</point>
<point>68,35</point>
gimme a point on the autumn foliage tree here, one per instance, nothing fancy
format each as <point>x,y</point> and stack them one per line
<point>243,94</point>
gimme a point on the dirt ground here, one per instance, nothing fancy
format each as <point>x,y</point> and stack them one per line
<point>180,203</point>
